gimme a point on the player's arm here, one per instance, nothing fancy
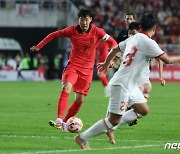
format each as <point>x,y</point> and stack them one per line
<point>101,34</point>
<point>116,58</point>
<point>153,49</point>
<point>169,59</point>
<point>111,42</point>
<point>46,40</point>
<point>111,55</point>
<point>67,32</point>
<point>160,63</point>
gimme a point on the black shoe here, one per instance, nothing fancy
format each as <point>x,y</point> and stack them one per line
<point>128,108</point>
<point>133,123</point>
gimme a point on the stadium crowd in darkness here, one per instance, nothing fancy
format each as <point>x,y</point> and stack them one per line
<point>110,16</point>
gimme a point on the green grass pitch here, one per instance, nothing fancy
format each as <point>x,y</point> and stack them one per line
<point>26,108</point>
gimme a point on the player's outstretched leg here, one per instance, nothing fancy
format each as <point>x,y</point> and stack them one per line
<point>83,144</point>
<point>57,123</point>
<point>110,135</point>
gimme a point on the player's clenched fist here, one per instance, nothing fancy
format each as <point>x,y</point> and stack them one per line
<point>34,48</point>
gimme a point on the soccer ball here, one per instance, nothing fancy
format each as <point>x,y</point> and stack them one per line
<point>74,124</point>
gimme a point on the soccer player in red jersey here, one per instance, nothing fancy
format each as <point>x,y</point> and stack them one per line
<point>79,70</point>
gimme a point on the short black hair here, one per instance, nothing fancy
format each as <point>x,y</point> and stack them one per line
<point>134,25</point>
<point>130,13</point>
<point>147,21</point>
<point>85,12</point>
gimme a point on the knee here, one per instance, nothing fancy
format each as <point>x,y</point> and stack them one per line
<point>141,108</point>
<point>79,97</point>
<point>66,87</point>
<point>145,111</point>
<point>79,100</point>
<point>147,89</point>
<point>114,121</point>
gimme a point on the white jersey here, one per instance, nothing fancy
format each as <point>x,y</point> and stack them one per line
<point>138,50</point>
<point>144,76</point>
<point>146,72</point>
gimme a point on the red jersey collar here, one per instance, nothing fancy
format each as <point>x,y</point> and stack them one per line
<point>80,30</point>
<point>145,33</point>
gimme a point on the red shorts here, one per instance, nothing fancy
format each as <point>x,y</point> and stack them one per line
<point>80,79</point>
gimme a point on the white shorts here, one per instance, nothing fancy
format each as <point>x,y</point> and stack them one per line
<point>120,99</point>
<point>142,81</point>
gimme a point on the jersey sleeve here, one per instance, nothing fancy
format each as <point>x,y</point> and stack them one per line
<point>67,32</point>
<point>105,37</point>
<point>153,49</point>
<point>101,34</point>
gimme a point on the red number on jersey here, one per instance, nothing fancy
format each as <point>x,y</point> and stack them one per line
<point>129,57</point>
<point>85,47</point>
<point>123,106</point>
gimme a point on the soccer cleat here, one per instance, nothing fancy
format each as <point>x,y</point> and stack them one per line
<point>110,135</point>
<point>133,123</point>
<point>64,127</point>
<point>56,124</point>
<point>128,108</point>
<point>83,144</point>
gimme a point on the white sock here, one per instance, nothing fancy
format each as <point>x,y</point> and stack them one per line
<point>96,129</point>
<point>127,117</point>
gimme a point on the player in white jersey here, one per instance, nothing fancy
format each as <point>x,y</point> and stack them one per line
<point>138,50</point>
<point>144,80</point>
<point>144,83</point>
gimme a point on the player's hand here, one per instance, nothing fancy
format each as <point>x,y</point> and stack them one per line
<point>163,82</point>
<point>112,64</point>
<point>102,66</point>
<point>34,48</point>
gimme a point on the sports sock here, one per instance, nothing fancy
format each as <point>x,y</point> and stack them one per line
<point>104,80</point>
<point>98,128</point>
<point>62,103</point>
<point>128,116</point>
<point>73,109</point>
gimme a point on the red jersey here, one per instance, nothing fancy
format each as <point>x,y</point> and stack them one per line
<point>102,51</point>
<point>83,44</point>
